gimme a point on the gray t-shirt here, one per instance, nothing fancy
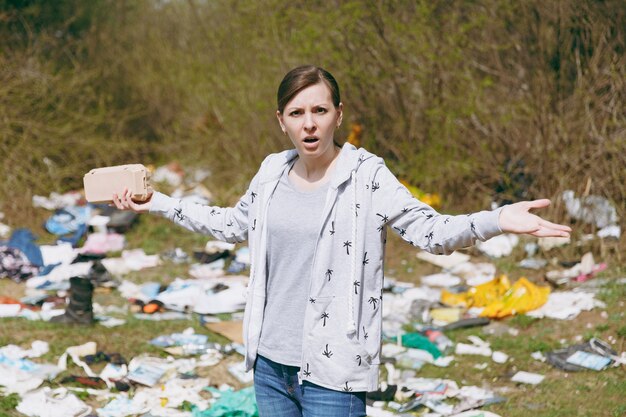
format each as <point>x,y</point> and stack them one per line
<point>293,222</point>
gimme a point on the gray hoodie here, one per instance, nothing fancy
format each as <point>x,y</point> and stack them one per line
<point>364,199</point>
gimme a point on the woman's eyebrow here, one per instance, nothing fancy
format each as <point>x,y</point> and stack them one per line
<point>324,104</point>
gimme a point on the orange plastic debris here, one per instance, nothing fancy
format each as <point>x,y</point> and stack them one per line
<point>354,138</point>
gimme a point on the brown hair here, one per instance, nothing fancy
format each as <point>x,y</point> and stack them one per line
<point>302,77</point>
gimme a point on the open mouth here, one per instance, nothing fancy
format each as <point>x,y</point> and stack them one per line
<point>310,140</point>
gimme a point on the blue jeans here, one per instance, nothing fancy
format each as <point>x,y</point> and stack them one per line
<point>278,394</point>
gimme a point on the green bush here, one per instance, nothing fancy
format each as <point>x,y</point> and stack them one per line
<point>476,100</point>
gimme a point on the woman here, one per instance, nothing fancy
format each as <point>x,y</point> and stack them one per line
<point>316,219</point>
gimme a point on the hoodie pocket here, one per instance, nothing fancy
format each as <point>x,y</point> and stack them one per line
<point>332,355</point>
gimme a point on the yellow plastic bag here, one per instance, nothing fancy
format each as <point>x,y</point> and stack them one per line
<point>479,296</point>
<point>500,298</point>
<point>522,297</point>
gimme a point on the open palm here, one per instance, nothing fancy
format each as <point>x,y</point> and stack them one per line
<point>517,218</point>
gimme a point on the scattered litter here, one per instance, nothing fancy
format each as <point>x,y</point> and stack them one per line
<point>238,370</point>
<point>591,209</point>
<point>171,174</point>
<point>37,349</point>
<point>566,305</point>
<point>527,378</point>
<point>612,231</point>
<point>465,323</point>
<point>475,274</point>
<point>418,341</point>
<point>109,322</point>
<point>99,223</point>
<point>15,265</point>
<point>478,347</point>
<point>187,337</point>
<point>145,371</point>
<point>589,360</point>
<point>60,274</point>
<point>56,200</point>
<point>68,220</point>
<point>594,354</point>
<point>61,253</point>
<point>547,243</point>
<point>580,272</point>
<point>232,330</point>
<point>533,263</point>
<point>39,370</point>
<point>208,271</point>
<point>531,249</point>
<point>240,403</point>
<point>120,407</point>
<point>167,315</point>
<point>103,243</point>
<point>164,400</point>
<point>243,255</point>
<point>176,255</point>
<point>471,295</point>
<point>207,296</point>
<point>17,380</point>
<point>76,352</point>
<point>5,230</point>
<point>444,261</point>
<point>24,240</point>
<point>48,402</point>
<point>131,260</point>
<point>499,357</point>
<point>10,310</point>
<point>498,246</point>
<point>443,279</point>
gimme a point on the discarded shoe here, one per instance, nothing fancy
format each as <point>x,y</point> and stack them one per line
<point>80,308</point>
<point>379,395</point>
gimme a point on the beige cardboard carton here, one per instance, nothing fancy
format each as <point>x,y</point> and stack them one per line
<point>101,183</point>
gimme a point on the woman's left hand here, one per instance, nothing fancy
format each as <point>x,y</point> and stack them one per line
<point>517,218</point>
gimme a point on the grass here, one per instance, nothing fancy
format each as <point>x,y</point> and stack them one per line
<point>8,403</point>
<point>587,393</point>
<point>560,394</point>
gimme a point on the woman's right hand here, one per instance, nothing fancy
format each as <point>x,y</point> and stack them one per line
<point>126,202</point>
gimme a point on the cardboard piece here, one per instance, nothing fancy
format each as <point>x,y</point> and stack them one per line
<point>233,330</point>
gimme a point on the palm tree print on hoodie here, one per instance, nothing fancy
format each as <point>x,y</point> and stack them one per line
<point>327,352</point>
<point>347,244</point>
<point>328,274</point>
<point>324,317</point>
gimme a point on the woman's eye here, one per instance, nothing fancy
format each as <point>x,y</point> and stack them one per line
<point>321,110</point>
<point>294,113</point>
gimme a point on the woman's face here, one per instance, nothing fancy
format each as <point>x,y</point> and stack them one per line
<point>310,119</point>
